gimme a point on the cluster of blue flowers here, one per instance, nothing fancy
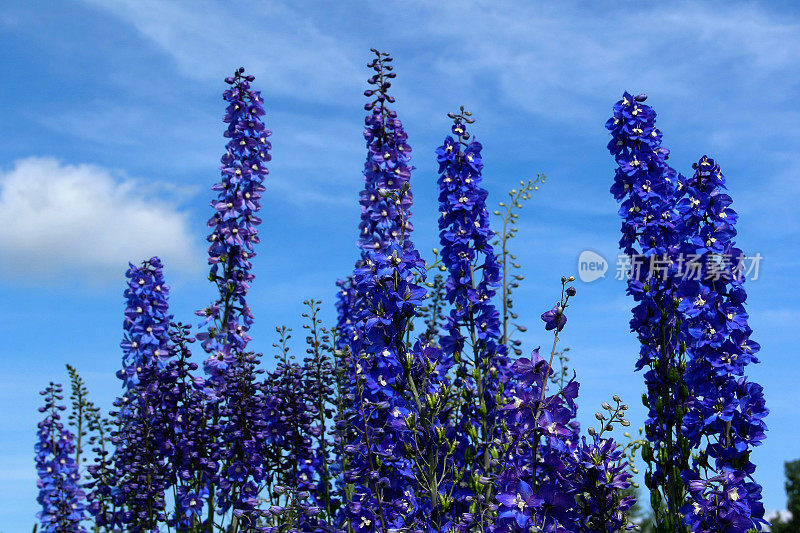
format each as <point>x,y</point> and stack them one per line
<point>647,187</point>
<point>473,336</point>
<point>380,428</point>
<point>725,412</point>
<point>60,493</point>
<point>387,379</point>
<point>234,226</point>
<point>693,331</point>
<point>136,485</point>
<point>552,479</point>
<point>385,211</point>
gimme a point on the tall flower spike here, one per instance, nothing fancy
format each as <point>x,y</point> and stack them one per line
<point>473,325</point>
<point>140,474</point>
<point>236,410</point>
<point>60,493</point>
<point>389,381</point>
<point>725,417</point>
<point>385,213</point>
<point>145,346</point>
<point>647,188</point>
<point>235,224</point>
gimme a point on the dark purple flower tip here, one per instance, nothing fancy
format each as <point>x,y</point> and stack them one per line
<point>554,318</point>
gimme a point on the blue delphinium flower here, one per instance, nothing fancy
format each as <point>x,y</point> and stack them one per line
<point>235,224</point>
<point>386,169</point>
<point>725,412</point>
<point>533,490</point>
<point>554,318</point>
<point>648,188</point>
<point>473,324</point>
<point>551,479</point>
<point>599,474</point>
<point>60,493</point>
<point>140,472</point>
<point>378,464</point>
<point>145,346</point>
<point>533,487</point>
<point>291,460</point>
<point>184,409</point>
<point>236,410</point>
<point>398,393</point>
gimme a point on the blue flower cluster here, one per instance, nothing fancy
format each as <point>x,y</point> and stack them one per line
<point>385,212</point>
<point>59,482</point>
<point>647,188</point>
<point>140,472</point>
<point>292,463</point>
<point>382,428</point>
<point>552,479</point>
<point>693,330</point>
<point>145,346</point>
<point>473,324</point>
<point>725,416</point>
<point>238,405</point>
<point>235,225</point>
<point>534,487</point>
<point>383,297</point>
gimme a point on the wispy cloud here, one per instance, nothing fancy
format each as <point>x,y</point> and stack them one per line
<point>84,221</point>
<point>291,54</point>
<point>559,59</point>
<point>723,71</point>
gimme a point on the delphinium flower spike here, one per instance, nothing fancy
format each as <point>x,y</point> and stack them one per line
<point>398,458</point>
<point>235,224</point>
<point>78,414</point>
<point>647,189</point>
<point>601,474</point>
<point>100,471</point>
<point>508,214</point>
<point>237,407</point>
<point>535,487</point>
<point>386,170</point>
<point>60,493</point>
<point>473,324</point>
<point>318,374</point>
<point>725,412</point>
<point>140,468</point>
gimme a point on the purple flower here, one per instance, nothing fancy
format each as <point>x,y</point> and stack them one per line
<point>60,494</point>
<point>519,504</point>
<point>554,318</point>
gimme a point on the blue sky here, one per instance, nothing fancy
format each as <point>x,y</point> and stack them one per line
<point>111,128</point>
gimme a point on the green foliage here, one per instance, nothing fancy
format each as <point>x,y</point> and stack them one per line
<point>792,472</point>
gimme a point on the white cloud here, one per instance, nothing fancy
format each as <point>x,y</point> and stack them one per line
<point>83,221</point>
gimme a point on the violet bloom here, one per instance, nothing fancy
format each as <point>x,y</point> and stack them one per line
<point>648,190</point>
<point>725,412</point>
<point>472,282</point>
<point>235,224</point>
<point>554,318</point>
<point>60,495</point>
<point>140,474</point>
